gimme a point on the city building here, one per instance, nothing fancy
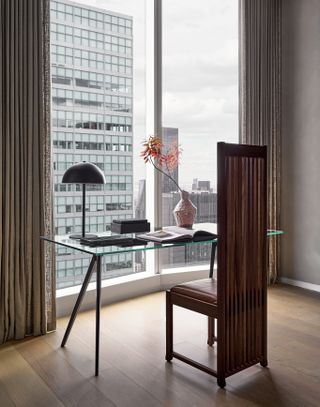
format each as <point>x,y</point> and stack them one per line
<point>170,136</point>
<point>194,184</point>
<point>198,185</point>
<point>140,213</point>
<point>92,98</point>
<point>140,203</point>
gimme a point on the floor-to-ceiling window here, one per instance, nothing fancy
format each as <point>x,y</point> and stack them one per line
<point>200,105</point>
<point>98,55</point>
<point>98,88</point>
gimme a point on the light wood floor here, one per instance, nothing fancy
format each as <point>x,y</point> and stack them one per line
<point>37,372</point>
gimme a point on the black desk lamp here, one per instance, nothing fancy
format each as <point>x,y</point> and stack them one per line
<point>83,173</point>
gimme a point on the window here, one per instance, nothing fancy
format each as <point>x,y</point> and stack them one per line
<point>200,106</point>
<point>92,120</point>
<point>98,114</point>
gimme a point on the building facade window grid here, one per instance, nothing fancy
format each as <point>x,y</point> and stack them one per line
<point>91,39</point>
<point>89,79</point>
<point>105,21</point>
<point>66,97</point>
<point>92,87</point>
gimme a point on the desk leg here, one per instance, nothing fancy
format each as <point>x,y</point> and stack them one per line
<point>79,301</point>
<point>98,309</point>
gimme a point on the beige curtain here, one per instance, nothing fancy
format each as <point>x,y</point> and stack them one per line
<point>27,281</point>
<point>260,97</point>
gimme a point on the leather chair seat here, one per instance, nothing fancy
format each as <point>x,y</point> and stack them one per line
<point>203,290</point>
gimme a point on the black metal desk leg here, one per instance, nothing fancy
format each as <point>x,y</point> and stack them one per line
<point>98,309</point>
<point>79,301</point>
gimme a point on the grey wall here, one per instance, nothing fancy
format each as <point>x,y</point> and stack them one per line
<point>300,254</point>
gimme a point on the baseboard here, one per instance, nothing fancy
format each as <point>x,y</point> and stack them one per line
<point>301,284</point>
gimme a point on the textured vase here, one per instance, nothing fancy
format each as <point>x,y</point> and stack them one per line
<point>184,212</point>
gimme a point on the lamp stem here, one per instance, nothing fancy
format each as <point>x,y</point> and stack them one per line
<point>83,210</point>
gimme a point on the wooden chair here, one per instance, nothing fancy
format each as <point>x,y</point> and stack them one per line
<point>238,298</point>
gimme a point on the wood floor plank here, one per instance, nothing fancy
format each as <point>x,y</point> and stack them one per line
<point>150,376</point>
<point>133,369</point>
<point>79,354</point>
<point>21,384</point>
<point>275,386</point>
<point>6,400</point>
<point>64,380</point>
<point>170,384</point>
<point>122,390</point>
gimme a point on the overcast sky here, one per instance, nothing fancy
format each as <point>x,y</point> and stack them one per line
<point>200,78</point>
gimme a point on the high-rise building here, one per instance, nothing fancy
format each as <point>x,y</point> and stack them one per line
<point>194,184</point>
<point>204,186</point>
<point>198,185</point>
<point>92,82</point>
<point>170,136</point>
<point>140,204</point>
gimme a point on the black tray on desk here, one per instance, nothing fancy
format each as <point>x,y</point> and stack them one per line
<point>116,240</point>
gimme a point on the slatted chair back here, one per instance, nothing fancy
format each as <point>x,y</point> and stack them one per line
<point>242,262</point>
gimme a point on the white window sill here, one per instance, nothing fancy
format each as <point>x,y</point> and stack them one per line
<point>63,292</point>
<point>185,269</point>
<point>122,288</point>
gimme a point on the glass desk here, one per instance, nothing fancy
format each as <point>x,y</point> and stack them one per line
<point>98,252</point>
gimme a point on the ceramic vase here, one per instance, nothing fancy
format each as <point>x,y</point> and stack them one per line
<point>184,212</point>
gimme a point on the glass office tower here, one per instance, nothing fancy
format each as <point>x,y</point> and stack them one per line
<point>92,90</point>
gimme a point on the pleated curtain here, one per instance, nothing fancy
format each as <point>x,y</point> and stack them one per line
<point>27,282</point>
<point>260,98</point>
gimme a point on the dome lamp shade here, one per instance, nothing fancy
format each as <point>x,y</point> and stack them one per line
<point>83,173</point>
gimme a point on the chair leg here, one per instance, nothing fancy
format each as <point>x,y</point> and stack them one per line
<point>211,331</point>
<point>169,327</point>
<point>264,362</point>
<point>221,382</point>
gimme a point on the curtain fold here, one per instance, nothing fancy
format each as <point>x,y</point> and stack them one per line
<point>27,275</point>
<point>260,98</point>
